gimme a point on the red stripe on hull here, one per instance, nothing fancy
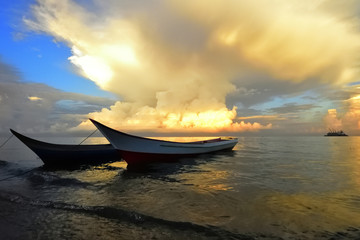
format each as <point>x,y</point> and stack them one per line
<point>138,158</point>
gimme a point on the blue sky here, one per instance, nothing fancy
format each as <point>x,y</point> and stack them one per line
<point>37,56</point>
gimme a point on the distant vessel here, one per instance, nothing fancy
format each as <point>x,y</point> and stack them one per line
<point>334,133</point>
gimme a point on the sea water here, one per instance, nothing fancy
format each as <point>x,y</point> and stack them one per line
<point>266,188</point>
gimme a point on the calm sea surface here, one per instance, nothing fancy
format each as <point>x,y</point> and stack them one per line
<point>267,188</point>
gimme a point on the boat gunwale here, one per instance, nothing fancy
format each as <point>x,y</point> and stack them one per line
<point>200,145</point>
<point>31,142</point>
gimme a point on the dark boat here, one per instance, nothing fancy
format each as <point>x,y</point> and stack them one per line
<point>69,155</point>
<point>334,133</point>
<point>137,150</point>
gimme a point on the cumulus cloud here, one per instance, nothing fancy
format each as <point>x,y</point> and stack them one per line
<point>332,122</point>
<point>145,118</point>
<point>292,40</point>
<point>175,63</point>
<point>34,108</point>
<point>348,119</point>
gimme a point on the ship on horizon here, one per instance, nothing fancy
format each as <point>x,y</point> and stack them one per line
<point>335,133</point>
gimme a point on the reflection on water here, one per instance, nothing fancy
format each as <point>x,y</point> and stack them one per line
<point>267,188</point>
<point>348,152</point>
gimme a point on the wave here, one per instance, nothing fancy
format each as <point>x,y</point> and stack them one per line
<point>3,163</point>
<point>39,178</point>
<point>125,216</point>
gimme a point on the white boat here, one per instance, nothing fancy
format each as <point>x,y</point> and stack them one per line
<point>139,150</point>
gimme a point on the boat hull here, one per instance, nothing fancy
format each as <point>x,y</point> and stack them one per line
<point>140,158</point>
<point>139,150</point>
<point>69,155</point>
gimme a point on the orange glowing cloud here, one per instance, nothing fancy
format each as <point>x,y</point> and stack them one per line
<point>332,121</point>
<point>349,120</point>
<point>130,116</point>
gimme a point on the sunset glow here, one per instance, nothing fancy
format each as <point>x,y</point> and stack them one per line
<point>147,118</point>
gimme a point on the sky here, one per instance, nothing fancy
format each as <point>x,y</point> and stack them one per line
<point>281,67</point>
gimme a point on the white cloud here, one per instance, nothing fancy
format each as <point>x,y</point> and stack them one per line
<point>34,98</point>
<point>170,60</point>
<point>32,107</point>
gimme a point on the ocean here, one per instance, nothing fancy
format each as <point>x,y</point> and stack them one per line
<point>266,188</point>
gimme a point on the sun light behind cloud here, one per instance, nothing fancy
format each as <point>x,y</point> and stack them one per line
<point>122,53</point>
<point>92,67</point>
<point>147,118</point>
